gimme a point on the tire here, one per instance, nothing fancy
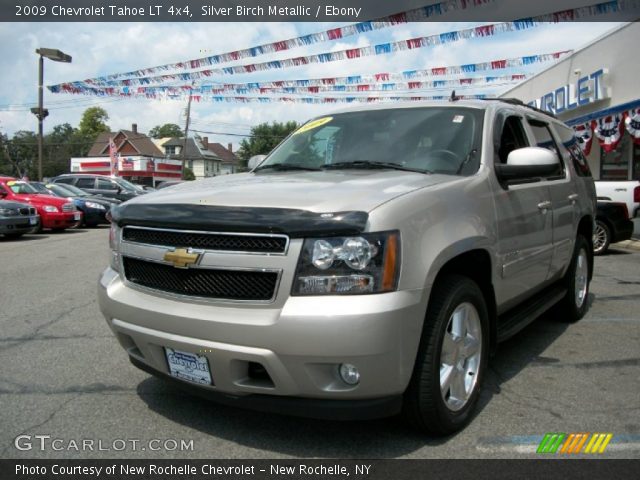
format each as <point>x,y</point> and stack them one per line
<point>427,406</point>
<point>575,303</point>
<point>601,238</point>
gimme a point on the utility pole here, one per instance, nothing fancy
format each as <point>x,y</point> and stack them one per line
<point>39,111</point>
<point>186,134</point>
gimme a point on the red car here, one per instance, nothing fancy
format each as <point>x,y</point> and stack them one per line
<point>55,213</point>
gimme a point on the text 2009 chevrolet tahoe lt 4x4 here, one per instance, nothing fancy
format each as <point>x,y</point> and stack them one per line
<point>367,267</point>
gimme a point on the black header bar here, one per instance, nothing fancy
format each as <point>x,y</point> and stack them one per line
<point>291,10</point>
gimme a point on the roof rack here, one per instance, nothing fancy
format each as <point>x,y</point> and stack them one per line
<point>517,101</point>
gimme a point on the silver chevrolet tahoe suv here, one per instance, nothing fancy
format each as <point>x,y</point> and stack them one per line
<point>367,267</point>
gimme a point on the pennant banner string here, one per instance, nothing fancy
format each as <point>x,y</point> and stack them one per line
<point>415,15</point>
<point>321,100</point>
<point>240,89</point>
<point>380,49</point>
<point>407,75</point>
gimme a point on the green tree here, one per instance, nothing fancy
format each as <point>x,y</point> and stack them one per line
<point>264,137</point>
<point>21,152</point>
<point>166,130</point>
<point>93,123</point>
<point>62,143</point>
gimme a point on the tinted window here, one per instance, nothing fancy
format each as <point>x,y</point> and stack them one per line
<point>85,182</point>
<point>544,139</point>
<point>543,136</point>
<point>68,180</point>
<point>511,138</point>
<point>106,184</point>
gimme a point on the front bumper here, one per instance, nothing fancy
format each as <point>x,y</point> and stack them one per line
<point>59,220</point>
<point>93,216</point>
<point>22,224</point>
<point>299,344</point>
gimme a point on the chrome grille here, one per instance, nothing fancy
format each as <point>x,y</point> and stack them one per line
<point>199,282</point>
<point>68,207</point>
<point>232,242</point>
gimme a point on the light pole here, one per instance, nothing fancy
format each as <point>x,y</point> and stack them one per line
<point>40,112</point>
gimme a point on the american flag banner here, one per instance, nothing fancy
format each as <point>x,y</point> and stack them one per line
<point>113,155</point>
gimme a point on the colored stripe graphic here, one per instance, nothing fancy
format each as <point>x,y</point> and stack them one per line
<point>551,442</point>
<point>573,443</point>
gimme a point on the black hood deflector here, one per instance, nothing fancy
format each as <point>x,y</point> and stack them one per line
<point>295,223</point>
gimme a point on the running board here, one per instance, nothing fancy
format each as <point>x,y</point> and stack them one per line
<point>511,322</point>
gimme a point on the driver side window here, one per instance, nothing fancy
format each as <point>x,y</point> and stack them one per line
<point>512,137</point>
<point>106,185</point>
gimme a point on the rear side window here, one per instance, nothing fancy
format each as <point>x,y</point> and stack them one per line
<point>68,180</point>
<point>84,182</point>
<point>570,142</point>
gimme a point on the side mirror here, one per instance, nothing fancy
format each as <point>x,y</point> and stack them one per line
<point>528,163</point>
<point>255,161</point>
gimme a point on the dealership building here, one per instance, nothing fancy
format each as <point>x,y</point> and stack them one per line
<point>596,90</point>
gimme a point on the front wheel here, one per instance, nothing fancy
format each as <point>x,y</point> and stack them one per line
<point>451,360</point>
<point>601,238</point>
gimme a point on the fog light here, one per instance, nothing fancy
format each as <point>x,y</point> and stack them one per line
<point>349,374</point>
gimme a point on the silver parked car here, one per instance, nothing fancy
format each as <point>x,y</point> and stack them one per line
<point>365,268</point>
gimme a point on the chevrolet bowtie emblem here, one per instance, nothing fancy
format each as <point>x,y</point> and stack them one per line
<point>182,258</point>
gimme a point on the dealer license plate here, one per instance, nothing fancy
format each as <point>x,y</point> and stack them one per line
<point>76,216</point>
<point>188,366</point>
<point>33,220</point>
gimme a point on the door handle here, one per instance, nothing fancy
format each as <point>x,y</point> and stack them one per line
<point>544,206</point>
<point>573,197</point>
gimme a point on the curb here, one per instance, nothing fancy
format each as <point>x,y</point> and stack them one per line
<point>633,244</point>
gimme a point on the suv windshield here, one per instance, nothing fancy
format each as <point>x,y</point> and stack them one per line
<point>126,185</point>
<point>424,139</point>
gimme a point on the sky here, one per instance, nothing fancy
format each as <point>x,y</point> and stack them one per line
<point>107,48</point>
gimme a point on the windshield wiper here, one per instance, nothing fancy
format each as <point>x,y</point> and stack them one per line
<point>373,165</point>
<point>282,167</point>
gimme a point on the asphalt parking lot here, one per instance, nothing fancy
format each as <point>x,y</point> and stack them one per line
<point>63,374</point>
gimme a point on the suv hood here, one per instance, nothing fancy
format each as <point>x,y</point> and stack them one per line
<point>322,191</point>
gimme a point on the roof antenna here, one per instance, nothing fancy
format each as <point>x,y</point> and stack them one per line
<point>453,97</point>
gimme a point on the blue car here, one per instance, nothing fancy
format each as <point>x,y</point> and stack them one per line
<point>93,207</point>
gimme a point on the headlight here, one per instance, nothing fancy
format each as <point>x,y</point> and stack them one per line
<point>50,208</point>
<point>97,206</point>
<point>367,263</point>
<point>8,212</point>
<point>114,246</point>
